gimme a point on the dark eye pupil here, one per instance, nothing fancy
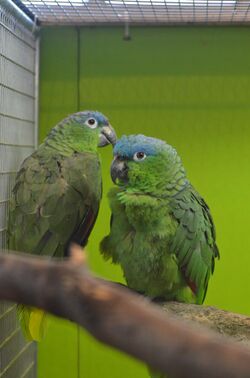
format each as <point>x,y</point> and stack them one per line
<point>140,155</point>
<point>91,121</point>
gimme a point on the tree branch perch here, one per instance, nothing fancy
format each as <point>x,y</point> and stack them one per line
<point>224,322</point>
<point>127,321</point>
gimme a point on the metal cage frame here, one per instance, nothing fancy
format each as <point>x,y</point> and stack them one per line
<point>138,12</point>
<point>19,49</point>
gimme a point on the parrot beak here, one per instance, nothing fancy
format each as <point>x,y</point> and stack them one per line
<point>119,171</point>
<point>107,136</point>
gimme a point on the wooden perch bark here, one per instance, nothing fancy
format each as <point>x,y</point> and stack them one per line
<point>122,319</point>
<point>224,322</point>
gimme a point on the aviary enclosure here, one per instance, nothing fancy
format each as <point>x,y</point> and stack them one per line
<point>178,70</point>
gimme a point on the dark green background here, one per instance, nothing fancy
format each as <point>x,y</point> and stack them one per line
<point>187,85</point>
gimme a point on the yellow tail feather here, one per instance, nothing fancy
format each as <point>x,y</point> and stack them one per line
<point>33,322</point>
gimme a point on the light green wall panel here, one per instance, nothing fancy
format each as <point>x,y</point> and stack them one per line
<point>58,97</point>
<point>58,76</point>
<point>189,86</point>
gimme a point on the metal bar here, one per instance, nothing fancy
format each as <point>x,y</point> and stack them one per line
<point>17,64</point>
<point>37,68</point>
<point>17,118</point>
<point>163,22</point>
<point>4,314</point>
<point>19,15</point>
<point>16,145</point>
<point>15,359</point>
<point>16,36</point>
<point>27,370</point>
<point>7,173</point>
<point>25,9</point>
<point>17,91</point>
<point>12,333</point>
<point>4,201</point>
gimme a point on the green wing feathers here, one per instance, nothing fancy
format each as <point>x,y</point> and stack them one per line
<point>55,200</point>
<point>50,200</point>
<point>194,241</point>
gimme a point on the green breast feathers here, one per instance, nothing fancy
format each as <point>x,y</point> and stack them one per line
<point>161,233</point>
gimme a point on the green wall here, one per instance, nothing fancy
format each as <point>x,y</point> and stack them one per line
<point>189,86</point>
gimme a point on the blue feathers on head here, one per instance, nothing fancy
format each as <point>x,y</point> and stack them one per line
<point>127,146</point>
<point>81,117</point>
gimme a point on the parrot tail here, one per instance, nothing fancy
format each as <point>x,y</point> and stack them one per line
<point>32,321</point>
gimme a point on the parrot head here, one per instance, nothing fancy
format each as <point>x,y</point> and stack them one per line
<point>147,165</point>
<point>83,131</point>
<point>95,122</point>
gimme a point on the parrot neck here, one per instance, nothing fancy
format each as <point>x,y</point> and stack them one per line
<point>67,139</point>
<point>155,199</point>
<point>160,181</point>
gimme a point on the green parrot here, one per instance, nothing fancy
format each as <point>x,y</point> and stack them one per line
<point>56,196</point>
<point>161,233</point>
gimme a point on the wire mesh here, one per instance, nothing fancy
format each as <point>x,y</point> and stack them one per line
<point>17,140</point>
<point>140,11</point>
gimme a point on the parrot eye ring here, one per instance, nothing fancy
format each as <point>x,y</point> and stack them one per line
<point>139,156</point>
<point>91,122</point>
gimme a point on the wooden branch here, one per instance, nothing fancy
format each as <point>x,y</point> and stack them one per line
<point>224,322</point>
<point>120,318</point>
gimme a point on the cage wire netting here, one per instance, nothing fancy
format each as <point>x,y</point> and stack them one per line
<point>17,140</point>
<point>139,11</point>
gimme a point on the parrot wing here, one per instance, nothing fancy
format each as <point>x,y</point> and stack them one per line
<point>55,201</point>
<point>194,240</point>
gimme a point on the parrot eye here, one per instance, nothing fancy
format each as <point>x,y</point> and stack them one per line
<point>91,122</point>
<point>139,156</point>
